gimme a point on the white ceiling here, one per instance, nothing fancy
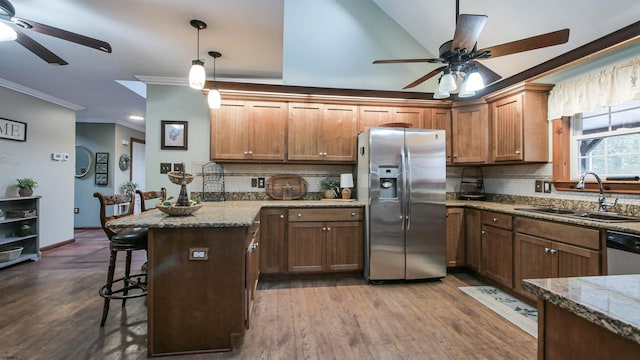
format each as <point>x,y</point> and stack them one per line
<point>329,43</point>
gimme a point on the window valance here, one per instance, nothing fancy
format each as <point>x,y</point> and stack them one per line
<point>608,87</point>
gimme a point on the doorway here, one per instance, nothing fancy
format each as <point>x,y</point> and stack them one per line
<point>137,173</point>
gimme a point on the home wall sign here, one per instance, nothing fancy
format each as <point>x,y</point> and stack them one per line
<point>13,130</point>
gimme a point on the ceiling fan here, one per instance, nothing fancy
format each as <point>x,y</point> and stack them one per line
<point>7,13</point>
<point>460,55</point>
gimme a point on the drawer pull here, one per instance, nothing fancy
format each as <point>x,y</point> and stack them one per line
<point>546,249</point>
<point>353,214</point>
<point>495,219</point>
<point>281,216</point>
<point>299,215</point>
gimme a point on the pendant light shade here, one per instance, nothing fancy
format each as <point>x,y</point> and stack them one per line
<point>473,79</point>
<point>213,98</point>
<point>448,82</point>
<point>440,92</point>
<point>197,75</point>
<point>464,91</point>
<point>7,33</point>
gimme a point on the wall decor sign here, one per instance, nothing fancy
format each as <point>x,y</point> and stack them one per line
<point>13,130</point>
<point>174,135</point>
<point>102,168</point>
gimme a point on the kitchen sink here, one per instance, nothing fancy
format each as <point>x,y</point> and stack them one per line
<point>548,210</point>
<point>595,215</point>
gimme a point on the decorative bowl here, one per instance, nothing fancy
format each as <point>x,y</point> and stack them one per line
<point>174,210</point>
<point>10,254</point>
<point>176,177</point>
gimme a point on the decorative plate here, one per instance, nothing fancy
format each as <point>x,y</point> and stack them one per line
<point>124,162</point>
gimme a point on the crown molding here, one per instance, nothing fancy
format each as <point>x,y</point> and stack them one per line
<point>40,95</point>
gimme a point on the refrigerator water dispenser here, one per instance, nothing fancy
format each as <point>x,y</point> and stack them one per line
<point>389,182</point>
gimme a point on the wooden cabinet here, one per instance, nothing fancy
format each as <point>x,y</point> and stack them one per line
<point>519,125</point>
<point>252,272</point>
<point>328,239</point>
<point>469,131</point>
<point>441,119</point>
<point>497,247</point>
<point>322,132</point>
<point>473,238</point>
<point>248,131</point>
<point>545,249</point>
<point>455,237</point>
<point>19,227</point>
<point>273,240</point>
<point>371,116</point>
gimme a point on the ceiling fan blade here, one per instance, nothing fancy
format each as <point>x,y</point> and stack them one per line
<point>400,61</point>
<point>425,78</point>
<point>38,49</point>
<point>488,75</point>
<point>64,35</point>
<point>468,29</point>
<point>532,43</point>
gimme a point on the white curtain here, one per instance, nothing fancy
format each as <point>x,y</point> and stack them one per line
<point>608,87</point>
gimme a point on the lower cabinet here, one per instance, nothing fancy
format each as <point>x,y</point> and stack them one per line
<point>455,237</point>
<point>273,240</point>
<point>497,247</point>
<point>473,238</point>
<point>545,249</point>
<point>252,269</point>
<point>325,240</point>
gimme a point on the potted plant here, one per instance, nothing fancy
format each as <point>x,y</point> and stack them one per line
<point>330,187</point>
<point>127,187</point>
<point>26,186</point>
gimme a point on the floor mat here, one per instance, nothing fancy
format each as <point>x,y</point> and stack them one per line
<point>507,306</point>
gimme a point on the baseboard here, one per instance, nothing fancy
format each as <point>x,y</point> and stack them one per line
<point>88,228</point>
<point>57,245</point>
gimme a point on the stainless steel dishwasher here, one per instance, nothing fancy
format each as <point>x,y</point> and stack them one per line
<point>623,253</point>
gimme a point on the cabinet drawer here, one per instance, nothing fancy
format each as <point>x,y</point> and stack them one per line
<point>569,234</point>
<point>326,214</point>
<point>497,219</point>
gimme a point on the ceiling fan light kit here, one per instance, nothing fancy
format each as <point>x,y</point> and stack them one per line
<point>197,75</point>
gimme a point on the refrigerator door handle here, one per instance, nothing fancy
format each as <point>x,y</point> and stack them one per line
<point>407,187</point>
<point>403,200</point>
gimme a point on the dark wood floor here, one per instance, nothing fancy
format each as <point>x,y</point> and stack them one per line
<point>51,310</point>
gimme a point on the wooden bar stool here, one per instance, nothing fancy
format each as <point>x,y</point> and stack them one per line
<point>148,195</point>
<point>128,240</point>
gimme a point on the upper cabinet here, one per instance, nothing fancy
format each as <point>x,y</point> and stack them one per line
<point>322,132</point>
<point>249,131</point>
<point>371,116</point>
<point>469,133</point>
<point>519,125</point>
<point>440,119</point>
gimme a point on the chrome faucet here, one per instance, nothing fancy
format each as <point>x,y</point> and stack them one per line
<point>602,205</point>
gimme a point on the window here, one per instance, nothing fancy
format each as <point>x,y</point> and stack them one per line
<point>607,141</point>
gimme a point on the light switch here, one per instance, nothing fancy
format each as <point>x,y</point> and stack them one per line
<point>198,253</point>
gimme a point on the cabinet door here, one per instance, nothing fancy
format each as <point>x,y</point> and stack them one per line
<point>455,237</point>
<point>307,247</point>
<point>371,116</point>
<point>576,261</point>
<point>472,236</point>
<point>469,134</point>
<point>507,129</point>
<point>344,245</point>
<point>230,131</point>
<point>441,120</point>
<point>337,133</point>
<point>252,265</point>
<point>413,116</point>
<point>497,255</point>
<point>273,241</point>
<point>267,130</point>
<point>532,260</point>
<point>303,128</point>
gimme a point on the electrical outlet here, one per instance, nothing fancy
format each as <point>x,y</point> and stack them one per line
<point>165,168</point>
<point>538,187</point>
<point>261,182</point>
<point>546,186</point>
<point>254,182</point>
<point>177,167</point>
<point>76,210</point>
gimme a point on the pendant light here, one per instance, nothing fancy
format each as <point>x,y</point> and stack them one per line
<point>213,98</point>
<point>197,75</point>
<point>440,92</point>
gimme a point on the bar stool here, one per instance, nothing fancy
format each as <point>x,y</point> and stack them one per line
<point>148,195</point>
<point>127,240</point>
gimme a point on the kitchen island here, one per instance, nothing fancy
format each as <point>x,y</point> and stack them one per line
<point>202,273</point>
<point>596,317</point>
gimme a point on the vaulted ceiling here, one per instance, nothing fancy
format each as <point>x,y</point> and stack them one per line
<point>326,43</point>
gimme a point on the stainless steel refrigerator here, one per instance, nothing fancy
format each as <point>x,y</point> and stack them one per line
<point>401,178</point>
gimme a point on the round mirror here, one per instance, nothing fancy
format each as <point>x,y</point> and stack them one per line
<point>83,161</point>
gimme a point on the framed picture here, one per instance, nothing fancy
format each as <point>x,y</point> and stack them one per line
<point>102,158</point>
<point>174,135</point>
<point>13,130</point>
<point>102,169</point>
<point>102,179</point>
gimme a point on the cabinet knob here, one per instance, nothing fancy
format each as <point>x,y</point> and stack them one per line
<point>482,232</point>
<point>517,152</point>
<point>494,219</point>
<point>546,249</point>
<point>324,229</point>
<point>353,214</point>
<point>281,216</point>
<point>299,215</point>
<point>328,229</point>
<point>256,221</point>
<point>246,152</point>
<point>250,152</point>
<point>254,246</point>
<point>553,251</point>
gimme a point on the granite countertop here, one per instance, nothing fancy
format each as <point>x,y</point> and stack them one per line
<point>612,302</point>
<point>219,214</point>
<point>631,227</point>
